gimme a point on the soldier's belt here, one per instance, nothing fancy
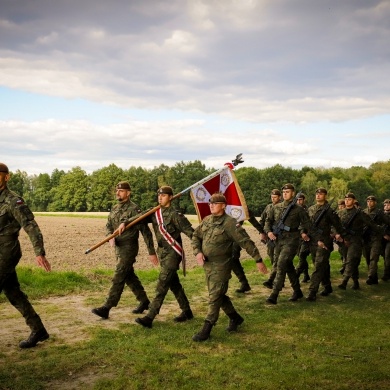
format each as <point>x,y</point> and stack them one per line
<point>9,237</point>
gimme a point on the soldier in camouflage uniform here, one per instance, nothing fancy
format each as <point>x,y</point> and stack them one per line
<point>341,206</point>
<point>354,222</point>
<point>372,241</point>
<point>275,199</point>
<point>126,250</point>
<point>212,244</point>
<point>14,215</point>
<point>303,250</point>
<point>386,243</point>
<point>296,224</point>
<point>174,223</point>
<point>276,196</point>
<point>323,218</point>
<point>237,267</point>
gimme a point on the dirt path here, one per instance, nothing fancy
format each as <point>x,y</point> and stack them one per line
<point>69,319</point>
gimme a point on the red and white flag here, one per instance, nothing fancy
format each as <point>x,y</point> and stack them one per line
<point>225,182</point>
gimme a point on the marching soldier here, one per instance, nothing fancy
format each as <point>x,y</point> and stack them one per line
<point>295,225</point>
<point>168,224</point>
<point>304,250</point>
<point>354,222</point>
<point>386,243</point>
<point>14,215</point>
<point>323,218</point>
<point>237,267</point>
<point>212,244</point>
<point>126,249</point>
<point>372,241</point>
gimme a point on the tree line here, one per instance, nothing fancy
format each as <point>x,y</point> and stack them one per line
<point>77,191</point>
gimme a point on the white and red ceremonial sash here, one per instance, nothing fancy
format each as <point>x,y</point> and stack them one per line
<point>171,241</point>
<point>225,182</point>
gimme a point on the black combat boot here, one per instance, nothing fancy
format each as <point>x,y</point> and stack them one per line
<point>184,316</point>
<point>141,307</point>
<point>306,277</point>
<point>344,283</point>
<point>244,288</point>
<point>34,338</point>
<point>373,279</point>
<point>103,311</point>
<point>146,321</point>
<point>312,296</point>
<point>296,295</point>
<point>269,284</point>
<point>272,299</point>
<point>235,321</point>
<point>204,333</point>
<point>355,285</point>
<point>385,278</point>
<point>326,291</point>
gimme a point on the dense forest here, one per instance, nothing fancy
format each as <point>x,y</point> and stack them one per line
<point>76,190</point>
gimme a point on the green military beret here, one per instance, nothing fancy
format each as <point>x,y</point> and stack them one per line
<point>321,190</point>
<point>165,190</point>
<point>371,197</point>
<point>3,168</point>
<point>350,195</point>
<point>218,197</point>
<point>275,191</point>
<point>288,186</point>
<point>123,185</point>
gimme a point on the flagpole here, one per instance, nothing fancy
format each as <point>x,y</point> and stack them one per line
<point>235,162</point>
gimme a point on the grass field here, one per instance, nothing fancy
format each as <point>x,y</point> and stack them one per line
<point>339,342</point>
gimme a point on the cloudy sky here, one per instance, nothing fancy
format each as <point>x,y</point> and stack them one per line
<point>141,83</point>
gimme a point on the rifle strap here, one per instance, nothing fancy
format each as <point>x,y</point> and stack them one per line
<point>170,240</point>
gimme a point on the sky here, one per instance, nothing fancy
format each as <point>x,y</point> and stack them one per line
<point>90,83</point>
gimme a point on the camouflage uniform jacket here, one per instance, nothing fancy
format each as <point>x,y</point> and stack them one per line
<point>328,224</point>
<point>215,235</point>
<point>175,223</point>
<point>127,210</point>
<point>355,228</point>
<point>14,215</point>
<point>379,217</point>
<point>264,214</point>
<point>297,219</point>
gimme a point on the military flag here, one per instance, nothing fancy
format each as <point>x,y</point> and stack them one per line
<point>224,181</point>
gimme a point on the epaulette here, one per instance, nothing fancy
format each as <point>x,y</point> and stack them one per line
<point>19,202</point>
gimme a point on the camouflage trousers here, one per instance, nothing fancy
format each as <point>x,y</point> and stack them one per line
<point>285,251</point>
<point>125,275</point>
<point>217,280</point>
<point>352,258</point>
<point>271,252</point>
<point>321,273</point>
<point>10,285</point>
<point>168,279</point>
<point>237,267</point>
<point>372,252</point>
<point>386,256</point>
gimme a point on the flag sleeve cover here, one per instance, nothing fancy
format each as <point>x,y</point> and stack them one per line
<point>225,182</point>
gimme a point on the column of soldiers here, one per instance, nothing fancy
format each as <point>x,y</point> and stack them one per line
<point>286,227</point>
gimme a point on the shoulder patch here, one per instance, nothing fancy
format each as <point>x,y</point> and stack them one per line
<point>19,202</point>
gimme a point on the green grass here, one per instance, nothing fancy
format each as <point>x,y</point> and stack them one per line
<point>339,342</point>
